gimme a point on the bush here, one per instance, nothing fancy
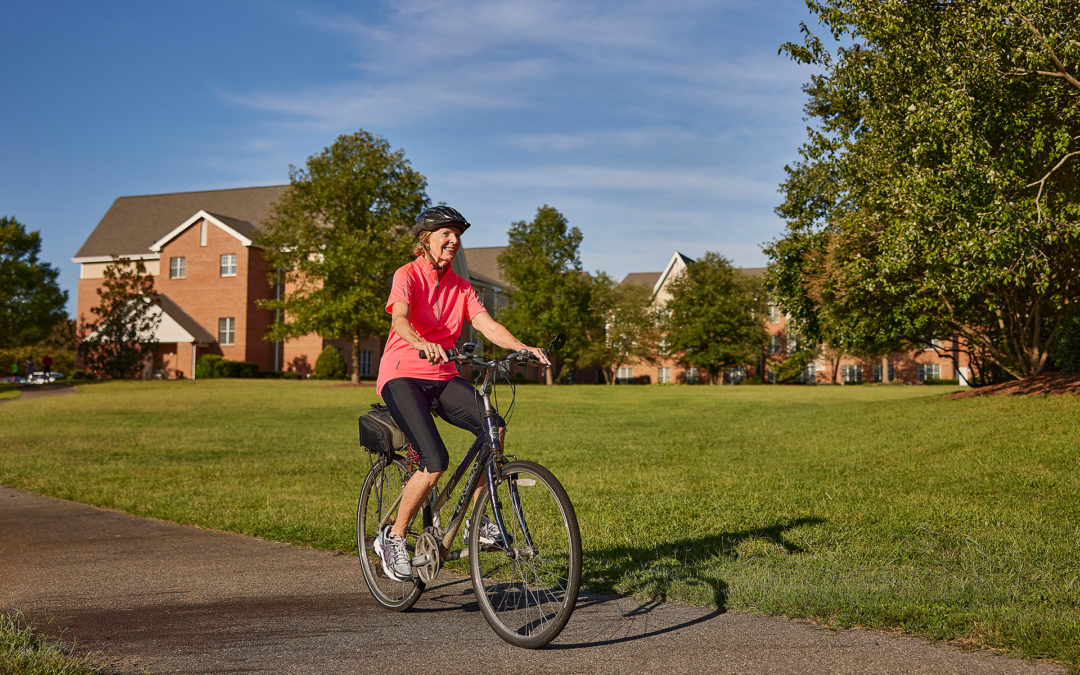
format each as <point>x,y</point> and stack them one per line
<point>789,370</point>
<point>330,365</point>
<point>290,375</point>
<point>213,365</point>
<point>1065,353</point>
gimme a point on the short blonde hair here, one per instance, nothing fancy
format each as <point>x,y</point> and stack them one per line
<point>421,239</point>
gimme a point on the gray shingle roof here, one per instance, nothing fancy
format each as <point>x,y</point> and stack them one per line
<point>648,279</point>
<point>132,224</point>
<point>184,319</point>
<point>484,265</point>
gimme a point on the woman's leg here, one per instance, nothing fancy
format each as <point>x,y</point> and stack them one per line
<point>410,405</point>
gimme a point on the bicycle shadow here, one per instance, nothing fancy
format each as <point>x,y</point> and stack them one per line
<point>629,586</point>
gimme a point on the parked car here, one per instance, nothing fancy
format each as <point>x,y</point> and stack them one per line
<point>12,380</point>
<point>39,377</point>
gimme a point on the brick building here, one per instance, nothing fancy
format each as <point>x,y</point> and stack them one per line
<point>944,359</point>
<point>209,275</point>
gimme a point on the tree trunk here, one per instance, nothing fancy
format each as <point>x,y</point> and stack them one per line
<point>885,369</point>
<point>356,358</point>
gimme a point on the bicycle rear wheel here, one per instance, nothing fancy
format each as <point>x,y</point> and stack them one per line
<point>377,507</point>
<point>527,587</point>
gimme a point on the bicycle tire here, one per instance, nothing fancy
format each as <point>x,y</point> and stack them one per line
<point>381,490</point>
<point>527,593</point>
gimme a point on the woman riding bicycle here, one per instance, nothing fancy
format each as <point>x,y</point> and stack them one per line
<point>429,304</point>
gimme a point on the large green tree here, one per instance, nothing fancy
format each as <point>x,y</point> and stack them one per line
<point>552,292</point>
<point>938,193</point>
<point>31,302</point>
<point>121,339</point>
<point>714,318</point>
<point>336,237</point>
<point>631,330</point>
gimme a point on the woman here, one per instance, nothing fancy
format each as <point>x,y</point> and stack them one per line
<point>429,304</point>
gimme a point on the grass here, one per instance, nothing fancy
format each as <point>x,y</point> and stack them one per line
<point>23,652</point>
<point>886,507</point>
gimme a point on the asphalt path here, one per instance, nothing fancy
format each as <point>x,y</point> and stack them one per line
<point>149,596</point>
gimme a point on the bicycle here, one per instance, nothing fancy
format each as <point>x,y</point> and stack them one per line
<point>526,584</point>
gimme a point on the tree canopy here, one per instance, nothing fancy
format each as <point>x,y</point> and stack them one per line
<point>552,292</point>
<point>336,237</point>
<point>715,316</point>
<point>31,302</point>
<point>939,192</point>
<point>631,329</point>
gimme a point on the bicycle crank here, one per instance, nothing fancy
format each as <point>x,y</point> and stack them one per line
<point>427,561</point>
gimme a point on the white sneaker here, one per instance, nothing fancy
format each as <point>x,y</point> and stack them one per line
<point>489,532</point>
<point>395,559</point>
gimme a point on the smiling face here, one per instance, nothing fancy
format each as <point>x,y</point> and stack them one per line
<point>443,245</point>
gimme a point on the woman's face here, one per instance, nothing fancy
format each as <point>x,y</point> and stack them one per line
<point>443,244</point>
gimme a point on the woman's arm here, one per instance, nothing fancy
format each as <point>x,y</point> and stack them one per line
<point>498,333</point>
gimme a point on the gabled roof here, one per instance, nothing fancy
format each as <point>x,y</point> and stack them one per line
<point>133,224</point>
<point>177,326</point>
<point>648,279</point>
<point>241,229</point>
<point>484,265</point>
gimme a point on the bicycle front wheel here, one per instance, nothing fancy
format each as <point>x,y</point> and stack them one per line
<point>379,499</point>
<point>527,586</point>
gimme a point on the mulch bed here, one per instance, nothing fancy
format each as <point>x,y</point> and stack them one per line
<point>1043,385</point>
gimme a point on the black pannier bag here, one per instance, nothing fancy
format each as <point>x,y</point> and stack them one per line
<point>379,433</point>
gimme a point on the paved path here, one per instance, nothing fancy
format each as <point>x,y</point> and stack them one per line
<point>157,597</point>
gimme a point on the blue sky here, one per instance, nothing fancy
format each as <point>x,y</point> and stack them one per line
<point>653,126</point>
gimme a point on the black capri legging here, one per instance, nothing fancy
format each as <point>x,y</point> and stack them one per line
<point>411,401</point>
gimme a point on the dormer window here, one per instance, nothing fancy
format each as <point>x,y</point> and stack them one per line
<point>228,265</point>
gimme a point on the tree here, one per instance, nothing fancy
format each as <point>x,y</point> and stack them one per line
<point>31,302</point>
<point>714,316</point>
<point>631,331</point>
<point>552,292</point>
<point>939,193</point>
<point>122,337</point>
<point>336,237</point>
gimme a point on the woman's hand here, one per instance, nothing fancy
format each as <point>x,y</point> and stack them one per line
<point>540,355</point>
<point>433,351</point>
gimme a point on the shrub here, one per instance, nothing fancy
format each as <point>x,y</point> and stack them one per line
<point>330,365</point>
<point>290,375</point>
<point>789,370</point>
<point>213,365</point>
<point>206,365</point>
<point>1066,351</point>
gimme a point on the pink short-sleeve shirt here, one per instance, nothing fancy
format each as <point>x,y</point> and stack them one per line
<point>438,309</point>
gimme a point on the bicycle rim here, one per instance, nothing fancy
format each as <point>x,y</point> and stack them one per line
<point>378,504</point>
<point>527,588</point>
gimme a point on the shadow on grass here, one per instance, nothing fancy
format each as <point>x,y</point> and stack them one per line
<point>624,589</point>
<point>652,572</point>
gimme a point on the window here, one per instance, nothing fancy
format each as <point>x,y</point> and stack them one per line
<point>663,375</point>
<point>877,373</point>
<point>774,314</point>
<point>624,375</point>
<point>793,343</point>
<point>775,341</point>
<point>177,268</point>
<point>735,375</point>
<point>226,330</point>
<point>691,376</point>
<point>365,361</point>
<point>929,371</point>
<point>228,265</point>
<point>850,374</point>
<point>662,347</point>
<point>809,374</point>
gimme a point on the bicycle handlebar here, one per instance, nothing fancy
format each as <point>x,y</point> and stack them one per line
<point>522,357</point>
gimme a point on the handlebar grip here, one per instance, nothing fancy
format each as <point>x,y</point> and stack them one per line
<point>450,353</point>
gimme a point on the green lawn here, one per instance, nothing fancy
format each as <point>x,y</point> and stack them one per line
<point>888,507</point>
